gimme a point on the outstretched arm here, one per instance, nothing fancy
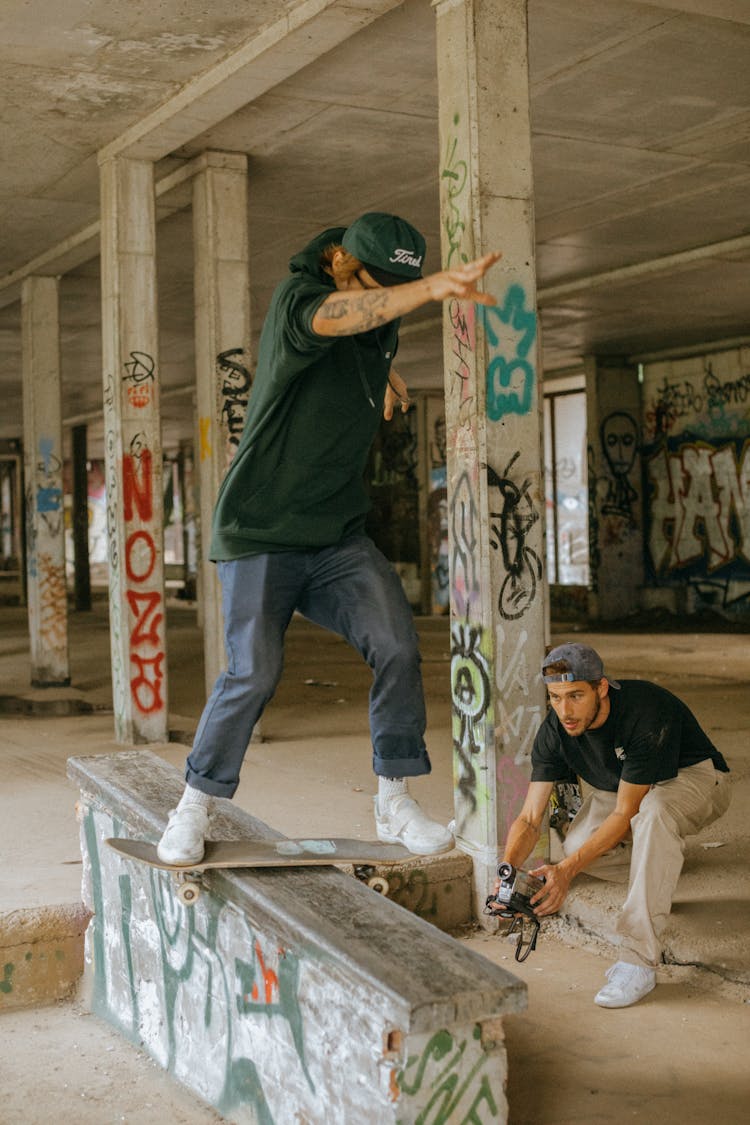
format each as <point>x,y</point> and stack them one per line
<point>349,311</point>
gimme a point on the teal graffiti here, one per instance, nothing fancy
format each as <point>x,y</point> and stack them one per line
<point>447,1089</point>
<point>264,992</point>
<point>510,378</point>
<point>126,899</point>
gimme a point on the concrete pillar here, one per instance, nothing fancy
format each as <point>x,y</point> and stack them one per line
<point>222,355</point>
<point>133,453</point>
<point>43,464</point>
<point>493,419</point>
<point>81,518</point>
<point>613,412</point>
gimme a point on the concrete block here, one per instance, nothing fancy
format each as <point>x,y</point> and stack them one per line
<point>288,995</point>
<point>41,954</point>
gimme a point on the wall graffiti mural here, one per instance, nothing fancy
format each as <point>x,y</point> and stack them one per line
<point>510,525</point>
<point>699,511</point>
<point>464,517</point>
<point>697,476</point>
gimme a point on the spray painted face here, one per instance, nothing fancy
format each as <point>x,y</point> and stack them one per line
<point>620,442</point>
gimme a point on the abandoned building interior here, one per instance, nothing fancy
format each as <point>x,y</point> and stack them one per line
<point>574,461</point>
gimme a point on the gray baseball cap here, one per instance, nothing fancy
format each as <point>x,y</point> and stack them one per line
<point>581,663</point>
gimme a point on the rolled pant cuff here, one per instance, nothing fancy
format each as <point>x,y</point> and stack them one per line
<point>206,785</point>
<point>401,767</point>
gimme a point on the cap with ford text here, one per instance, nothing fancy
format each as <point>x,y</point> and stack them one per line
<point>391,250</point>
<point>577,662</point>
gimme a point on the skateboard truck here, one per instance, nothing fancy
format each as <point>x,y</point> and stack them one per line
<point>514,895</point>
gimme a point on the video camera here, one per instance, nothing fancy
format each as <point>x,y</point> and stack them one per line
<point>516,890</point>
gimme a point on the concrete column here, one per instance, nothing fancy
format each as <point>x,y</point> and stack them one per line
<point>222,355</point>
<point>613,413</point>
<point>81,519</point>
<point>133,453</point>
<point>493,419</point>
<point>43,463</point>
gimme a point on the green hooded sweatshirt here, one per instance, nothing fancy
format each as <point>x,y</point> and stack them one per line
<point>296,481</point>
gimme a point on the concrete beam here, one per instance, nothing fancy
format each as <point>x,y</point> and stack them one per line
<point>283,48</point>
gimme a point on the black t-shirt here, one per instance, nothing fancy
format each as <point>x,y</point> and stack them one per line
<point>649,735</point>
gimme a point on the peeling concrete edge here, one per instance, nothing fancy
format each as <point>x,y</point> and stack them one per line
<point>32,925</point>
<point>575,932</point>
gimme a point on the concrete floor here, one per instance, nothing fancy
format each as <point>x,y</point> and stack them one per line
<point>312,776</point>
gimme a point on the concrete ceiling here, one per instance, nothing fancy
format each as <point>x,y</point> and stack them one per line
<point>641,151</point>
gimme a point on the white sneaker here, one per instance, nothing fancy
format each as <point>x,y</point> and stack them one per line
<point>183,841</point>
<point>403,822</point>
<point>627,985</point>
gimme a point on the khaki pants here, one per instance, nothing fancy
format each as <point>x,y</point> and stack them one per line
<point>652,863</point>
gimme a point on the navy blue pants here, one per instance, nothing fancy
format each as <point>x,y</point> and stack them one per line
<point>350,589</point>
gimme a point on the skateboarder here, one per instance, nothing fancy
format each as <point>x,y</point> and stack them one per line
<point>655,778</point>
<point>288,530</point>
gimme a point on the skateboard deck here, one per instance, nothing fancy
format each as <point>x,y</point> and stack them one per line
<point>268,853</point>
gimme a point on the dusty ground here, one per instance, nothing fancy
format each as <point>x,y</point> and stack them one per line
<point>680,1055</point>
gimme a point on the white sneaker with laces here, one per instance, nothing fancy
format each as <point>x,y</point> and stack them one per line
<point>403,822</point>
<point>183,841</point>
<point>627,984</point>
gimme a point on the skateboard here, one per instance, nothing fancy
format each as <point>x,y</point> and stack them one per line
<point>364,855</point>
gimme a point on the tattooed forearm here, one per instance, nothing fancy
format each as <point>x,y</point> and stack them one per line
<point>356,312</point>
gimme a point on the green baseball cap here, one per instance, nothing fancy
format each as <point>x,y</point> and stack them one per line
<point>391,250</point>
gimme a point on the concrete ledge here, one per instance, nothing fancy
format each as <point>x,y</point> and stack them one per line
<point>51,702</point>
<point>41,954</point>
<point>288,995</point>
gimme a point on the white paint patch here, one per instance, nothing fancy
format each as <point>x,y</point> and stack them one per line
<point>171,44</point>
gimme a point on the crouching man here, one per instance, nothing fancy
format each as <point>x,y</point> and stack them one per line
<point>655,778</point>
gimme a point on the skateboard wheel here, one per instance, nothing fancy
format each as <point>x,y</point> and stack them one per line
<point>378,884</point>
<point>188,893</point>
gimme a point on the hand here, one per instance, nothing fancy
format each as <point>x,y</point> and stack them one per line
<point>460,282</point>
<point>395,392</point>
<point>552,895</point>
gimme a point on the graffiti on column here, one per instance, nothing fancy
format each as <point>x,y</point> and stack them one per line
<point>465,527</point>
<point>462,317</point>
<point>141,558</point>
<point>470,692</point>
<point>619,440</point>
<point>139,379</point>
<point>234,391</point>
<point>510,526</point>
<point>511,331</point>
<point>455,173</point>
<point>437,519</point>
<point>515,726</point>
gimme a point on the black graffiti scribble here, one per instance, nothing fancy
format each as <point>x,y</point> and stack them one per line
<point>140,368</point>
<point>470,690</point>
<point>515,519</point>
<point>235,391</point>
